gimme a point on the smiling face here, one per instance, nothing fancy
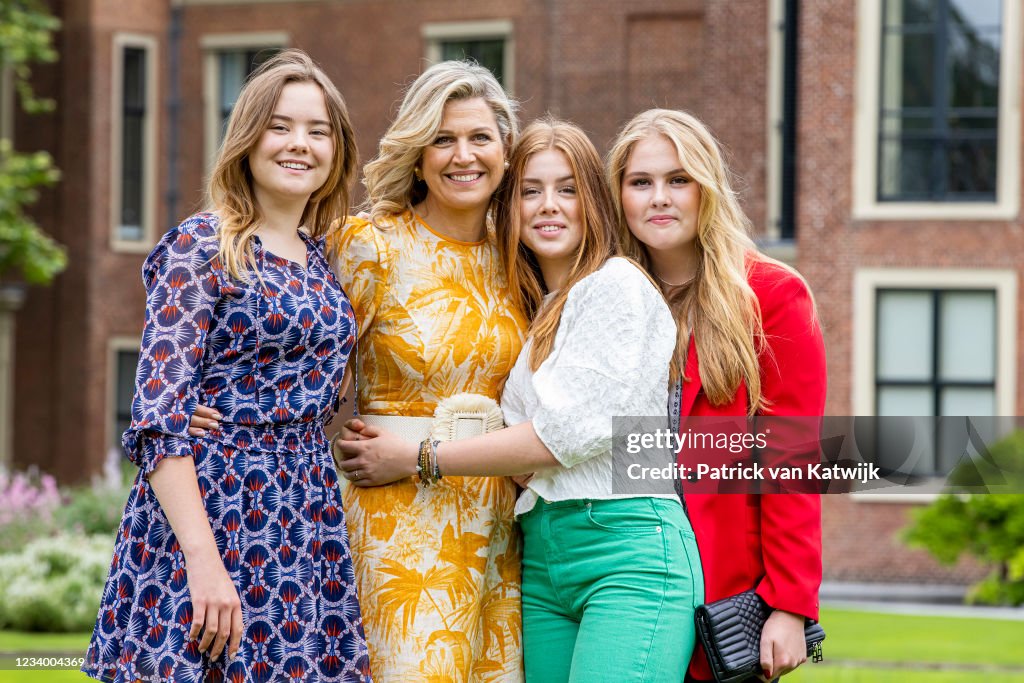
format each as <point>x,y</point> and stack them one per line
<point>552,217</point>
<point>660,201</point>
<point>292,159</point>
<point>464,165</point>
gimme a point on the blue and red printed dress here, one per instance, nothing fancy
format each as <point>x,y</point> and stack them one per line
<point>270,357</point>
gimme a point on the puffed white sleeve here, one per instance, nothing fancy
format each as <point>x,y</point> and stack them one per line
<point>610,358</point>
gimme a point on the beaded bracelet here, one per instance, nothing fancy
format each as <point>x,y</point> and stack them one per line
<point>423,469</point>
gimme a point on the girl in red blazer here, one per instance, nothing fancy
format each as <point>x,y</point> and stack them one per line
<point>749,343</point>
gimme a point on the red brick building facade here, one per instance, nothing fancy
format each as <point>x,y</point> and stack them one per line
<point>791,88</point>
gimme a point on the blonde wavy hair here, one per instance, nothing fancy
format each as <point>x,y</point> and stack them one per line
<point>719,307</point>
<point>391,187</point>
<point>599,243</point>
<point>230,191</point>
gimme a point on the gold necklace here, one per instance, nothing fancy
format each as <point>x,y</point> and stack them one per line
<point>672,284</point>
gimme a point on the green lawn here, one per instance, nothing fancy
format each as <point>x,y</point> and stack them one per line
<point>869,636</point>
<point>820,673</point>
<point>862,647</point>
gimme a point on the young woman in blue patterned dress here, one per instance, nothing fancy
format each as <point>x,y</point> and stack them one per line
<point>232,561</point>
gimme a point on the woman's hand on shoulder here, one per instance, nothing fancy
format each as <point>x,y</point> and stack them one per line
<point>783,645</point>
<point>204,420</point>
<point>371,456</point>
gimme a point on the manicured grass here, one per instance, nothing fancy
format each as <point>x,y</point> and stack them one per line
<point>820,673</point>
<point>873,637</point>
<point>19,641</point>
<point>862,647</point>
<point>43,677</point>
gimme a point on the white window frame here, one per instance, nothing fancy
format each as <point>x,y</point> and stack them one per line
<point>499,29</point>
<point>211,44</point>
<point>115,345</point>
<point>149,142</point>
<point>865,148</point>
<point>868,281</point>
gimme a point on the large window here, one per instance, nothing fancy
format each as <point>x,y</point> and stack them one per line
<point>939,112</point>
<point>938,115</point>
<point>134,140</point>
<point>487,42</point>
<point>935,343</point>
<point>230,60</point>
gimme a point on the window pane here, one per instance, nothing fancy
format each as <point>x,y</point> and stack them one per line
<point>905,337</point>
<point>127,361</point>
<point>968,329</point>
<point>976,12</point>
<point>908,70</point>
<point>234,67</point>
<point>968,401</point>
<point>974,67</point>
<point>906,401</point>
<point>906,168</point>
<point>134,77</point>
<point>133,114</point>
<point>232,75</point>
<point>487,53</point>
<point>909,12</point>
<point>972,168</point>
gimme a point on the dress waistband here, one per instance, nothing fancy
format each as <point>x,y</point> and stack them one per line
<point>296,437</point>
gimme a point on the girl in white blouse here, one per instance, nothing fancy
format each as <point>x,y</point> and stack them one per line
<point>610,580</point>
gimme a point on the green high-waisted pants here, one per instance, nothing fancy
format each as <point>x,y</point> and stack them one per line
<point>609,590</point>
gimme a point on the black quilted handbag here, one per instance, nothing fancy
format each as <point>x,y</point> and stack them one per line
<point>730,631</point>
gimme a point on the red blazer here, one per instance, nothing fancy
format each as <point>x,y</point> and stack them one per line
<point>768,542</point>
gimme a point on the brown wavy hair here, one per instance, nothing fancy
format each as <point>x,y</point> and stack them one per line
<point>526,283</point>
<point>230,192</point>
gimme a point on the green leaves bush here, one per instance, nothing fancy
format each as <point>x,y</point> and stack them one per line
<point>987,526</point>
<point>54,584</point>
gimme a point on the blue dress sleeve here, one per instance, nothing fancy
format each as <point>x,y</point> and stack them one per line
<point>183,279</point>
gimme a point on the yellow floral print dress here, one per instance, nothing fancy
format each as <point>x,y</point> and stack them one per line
<point>437,567</point>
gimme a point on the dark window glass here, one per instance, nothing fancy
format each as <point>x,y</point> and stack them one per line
<point>939,115</point>
<point>234,67</point>
<point>133,115</point>
<point>488,53</point>
<point>124,380</point>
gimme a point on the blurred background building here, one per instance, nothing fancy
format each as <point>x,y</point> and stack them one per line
<point>878,144</point>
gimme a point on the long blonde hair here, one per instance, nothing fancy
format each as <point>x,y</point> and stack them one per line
<point>719,307</point>
<point>526,284</point>
<point>230,191</point>
<point>391,187</point>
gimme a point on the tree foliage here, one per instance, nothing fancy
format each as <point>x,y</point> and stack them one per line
<point>988,526</point>
<point>26,38</point>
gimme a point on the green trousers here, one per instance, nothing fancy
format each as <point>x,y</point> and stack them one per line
<point>609,590</point>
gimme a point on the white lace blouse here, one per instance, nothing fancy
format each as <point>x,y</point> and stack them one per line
<point>610,357</point>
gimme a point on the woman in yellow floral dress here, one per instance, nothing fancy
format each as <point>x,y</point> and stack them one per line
<point>438,568</point>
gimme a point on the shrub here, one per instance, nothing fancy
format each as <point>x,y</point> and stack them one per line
<point>54,584</point>
<point>988,526</point>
